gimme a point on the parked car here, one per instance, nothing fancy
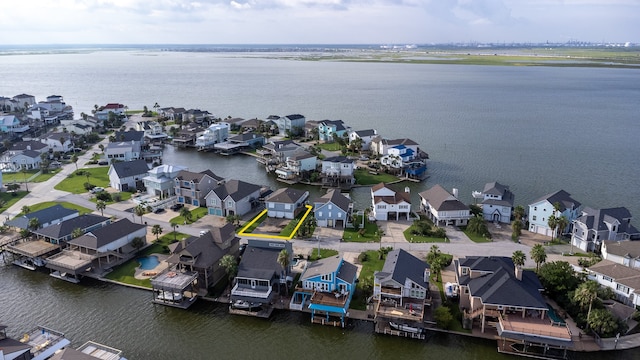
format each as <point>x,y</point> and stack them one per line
<point>96,190</point>
<point>176,207</point>
<point>103,162</point>
<point>158,211</point>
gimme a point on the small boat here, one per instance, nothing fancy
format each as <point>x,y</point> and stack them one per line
<point>65,276</point>
<point>169,296</point>
<point>25,263</point>
<point>245,305</point>
<point>451,290</point>
<point>406,328</point>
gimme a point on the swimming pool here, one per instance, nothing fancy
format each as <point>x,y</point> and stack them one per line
<point>148,262</point>
<point>554,316</point>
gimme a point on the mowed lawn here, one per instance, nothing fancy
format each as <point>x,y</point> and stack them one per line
<point>74,183</point>
<point>68,205</point>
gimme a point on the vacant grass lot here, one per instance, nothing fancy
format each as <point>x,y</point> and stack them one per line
<point>68,205</point>
<point>196,214</point>
<point>371,262</point>
<point>10,198</point>
<point>370,233</point>
<point>474,237</point>
<point>363,177</point>
<point>74,183</point>
<point>334,146</point>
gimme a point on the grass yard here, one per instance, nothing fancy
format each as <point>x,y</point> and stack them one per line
<point>419,238</point>
<point>363,177</point>
<point>371,262</point>
<point>68,205</point>
<point>196,214</point>
<point>454,309</point>
<point>324,253</point>
<point>475,237</point>
<point>286,232</point>
<point>353,235</point>
<point>334,146</point>
<point>17,176</point>
<point>8,198</point>
<point>74,183</point>
<point>125,272</point>
<point>256,223</point>
<point>45,177</point>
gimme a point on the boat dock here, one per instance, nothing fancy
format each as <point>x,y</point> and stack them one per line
<point>383,327</point>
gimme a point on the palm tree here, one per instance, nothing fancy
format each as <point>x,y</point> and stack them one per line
<point>34,223</point>
<point>518,213</point>
<point>139,211</point>
<point>585,294</point>
<point>562,223</point>
<point>516,226</point>
<point>230,266</point>
<point>25,210</point>
<point>436,267</point>
<point>186,214</point>
<point>101,205</point>
<point>518,258</point>
<point>175,233</point>
<point>538,254</point>
<point>77,232</point>
<point>74,159</point>
<point>284,260</point>
<point>156,230</point>
<point>553,224</point>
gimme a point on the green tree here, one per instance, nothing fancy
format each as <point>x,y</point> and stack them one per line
<point>157,231</point>
<point>137,243</point>
<point>518,213</point>
<point>475,210</point>
<point>77,232</point>
<point>25,210</point>
<point>74,160</point>
<point>518,258</point>
<point>443,317</point>
<point>284,260</point>
<point>538,254</point>
<point>553,224</point>
<point>562,223</point>
<point>230,266</point>
<point>186,214</point>
<point>516,227</point>
<point>139,211</point>
<point>233,219</point>
<point>585,294</point>
<point>604,324</point>
<point>101,205</point>
<point>436,267</point>
<point>559,279</point>
<point>477,225</point>
<point>34,223</point>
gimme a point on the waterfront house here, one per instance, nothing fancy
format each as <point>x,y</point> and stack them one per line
<point>234,123</point>
<point>622,252</point>
<point>61,232</point>
<point>46,217</point>
<point>337,171</point>
<point>78,127</point>
<point>127,146</point>
<point>97,249</point>
<point>496,293</point>
<point>251,125</point>
<point>405,160</point>
<point>198,116</point>
<point>248,140</point>
<point>365,136</point>
<point>289,125</point>
<point>333,209</point>
<point>260,276</point>
<point>594,226</point>
<point>187,136</point>
<point>24,101</point>
<point>623,280</point>
<point>127,175</point>
<point>444,208</point>
<point>327,129</point>
<point>215,134</point>
<point>326,288</point>
<point>285,203</point>
<point>387,203</point>
<point>401,289</point>
<point>58,141</point>
<point>497,202</point>
<point>11,124</point>
<point>192,187</point>
<point>152,130</point>
<point>234,197</point>
<point>380,146</point>
<point>27,159</point>
<point>39,343</point>
<point>202,254</point>
<point>102,113</point>
<point>160,181</point>
<point>541,209</point>
<point>172,113</point>
<point>296,165</point>
<point>89,351</point>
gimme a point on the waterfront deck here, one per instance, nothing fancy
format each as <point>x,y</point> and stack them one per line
<point>32,248</point>
<point>513,324</point>
<point>44,342</point>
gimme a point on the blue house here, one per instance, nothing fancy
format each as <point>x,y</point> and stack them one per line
<point>327,286</point>
<point>332,209</point>
<point>327,128</point>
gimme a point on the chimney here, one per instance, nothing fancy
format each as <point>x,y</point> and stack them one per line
<point>407,190</point>
<point>519,272</point>
<point>455,193</point>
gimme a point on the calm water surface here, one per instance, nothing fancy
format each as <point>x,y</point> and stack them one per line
<point>535,129</point>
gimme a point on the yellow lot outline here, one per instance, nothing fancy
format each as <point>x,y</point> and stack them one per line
<point>277,237</point>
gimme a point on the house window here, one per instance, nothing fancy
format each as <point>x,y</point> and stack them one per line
<point>214,201</point>
<point>339,215</point>
<point>330,206</point>
<point>327,277</point>
<point>319,213</point>
<point>606,278</point>
<point>287,206</point>
<point>534,218</point>
<point>623,289</point>
<point>465,271</point>
<point>230,204</point>
<point>382,206</point>
<point>535,208</point>
<point>272,205</point>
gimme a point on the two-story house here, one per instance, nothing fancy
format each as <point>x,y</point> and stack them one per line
<point>290,124</point>
<point>160,181</point>
<point>365,136</point>
<point>401,289</point>
<point>326,288</point>
<point>127,175</point>
<point>380,146</point>
<point>23,155</point>
<point>62,231</point>
<point>11,124</point>
<point>328,130</point>
<point>541,209</point>
<point>215,134</point>
<point>387,203</point>
<point>62,142</point>
<point>46,217</point>
<point>444,208</point>
<point>333,209</point>
<point>152,130</point>
<point>260,275</point>
<point>497,202</point>
<point>496,293</point>
<point>285,203</point>
<point>622,252</point>
<point>597,225</point>
<point>623,280</point>
<point>102,113</point>
<point>192,187</point>
<point>295,165</point>
<point>172,113</point>
<point>234,197</point>
<point>127,146</point>
<point>338,171</point>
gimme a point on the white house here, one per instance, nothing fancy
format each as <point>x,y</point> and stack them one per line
<point>388,203</point>
<point>444,208</point>
<point>62,142</point>
<point>127,175</point>
<point>160,181</point>
<point>597,225</point>
<point>497,203</point>
<point>285,203</point>
<point>293,124</point>
<point>622,252</point>
<point>215,134</point>
<point>296,164</point>
<point>380,146</point>
<point>541,209</point>
<point>337,170</point>
<point>103,112</point>
<point>366,136</point>
<point>623,280</point>
<point>152,130</point>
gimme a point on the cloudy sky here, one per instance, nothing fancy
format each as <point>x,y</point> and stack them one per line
<point>317,21</point>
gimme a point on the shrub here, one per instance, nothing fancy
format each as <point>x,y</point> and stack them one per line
<point>443,317</point>
<point>117,197</point>
<point>363,257</point>
<point>104,196</point>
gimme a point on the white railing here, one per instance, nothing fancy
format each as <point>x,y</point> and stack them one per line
<point>251,293</point>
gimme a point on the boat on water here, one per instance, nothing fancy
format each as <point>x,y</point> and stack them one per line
<point>406,328</point>
<point>65,276</point>
<point>245,305</point>
<point>29,263</point>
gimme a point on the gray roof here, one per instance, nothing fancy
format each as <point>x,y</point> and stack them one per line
<point>44,216</point>
<point>129,136</point>
<point>24,145</point>
<point>441,200</point>
<point>186,175</point>
<point>497,189</point>
<point>336,198</point>
<point>338,124</point>
<point>66,227</point>
<point>106,234</point>
<point>368,132</point>
<point>246,136</point>
<point>286,195</point>
<point>294,116</point>
<point>562,197</point>
<point>30,153</point>
<point>259,263</point>
<point>596,219</point>
<point>321,267</point>
<point>237,189</point>
<point>207,249</point>
<point>625,248</point>
<point>338,159</point>
<point>400,265</point>
<point>347,272</point>
<point>621,274</point>
<point>130,168</point>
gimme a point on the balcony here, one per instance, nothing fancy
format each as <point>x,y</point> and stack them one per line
<point>251,293</point>
<point>517,325</point>
<point>330,298</point>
